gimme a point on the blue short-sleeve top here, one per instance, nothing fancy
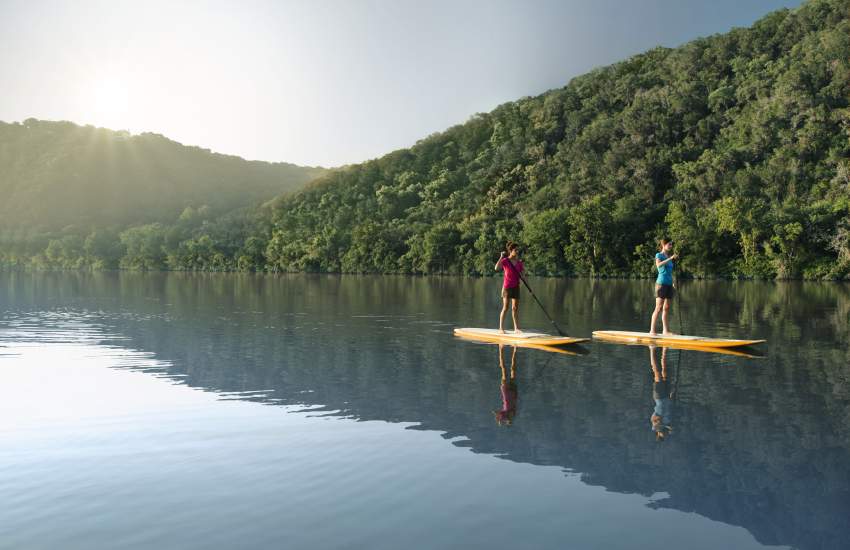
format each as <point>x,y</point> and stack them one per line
<point>665,272</point>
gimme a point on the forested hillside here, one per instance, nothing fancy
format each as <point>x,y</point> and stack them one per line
<point>735,145</point>
<point>60,181</point>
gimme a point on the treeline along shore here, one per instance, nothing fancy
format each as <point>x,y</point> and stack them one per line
<point>736,146</point>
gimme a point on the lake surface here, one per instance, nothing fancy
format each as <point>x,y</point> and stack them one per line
<point>222,411</point>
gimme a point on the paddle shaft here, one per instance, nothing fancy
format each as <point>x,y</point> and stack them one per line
<point>521,278</point>
<point>679,298</point>
<point>675,393</point>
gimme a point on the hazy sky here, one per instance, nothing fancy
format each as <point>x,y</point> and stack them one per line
<point>324,82</point>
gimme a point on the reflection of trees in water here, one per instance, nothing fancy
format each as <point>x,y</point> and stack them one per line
<point>762,444</point>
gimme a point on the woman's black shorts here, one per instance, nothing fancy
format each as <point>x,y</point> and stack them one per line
<point>512,292</point>
<point>664,291</point>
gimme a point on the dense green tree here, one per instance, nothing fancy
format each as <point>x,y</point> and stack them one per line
<point>144,247</point>
<point>546,234</point>
<point>103,249</point>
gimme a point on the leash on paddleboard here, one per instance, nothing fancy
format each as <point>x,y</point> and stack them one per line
<point>521,278</point>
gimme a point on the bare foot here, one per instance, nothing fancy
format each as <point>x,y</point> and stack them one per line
<point>501,331</point>
<point>653,333</point>
<point>668,333</point>
<point>517,331</point>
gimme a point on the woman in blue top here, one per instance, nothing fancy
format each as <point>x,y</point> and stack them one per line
<point>663,285</point>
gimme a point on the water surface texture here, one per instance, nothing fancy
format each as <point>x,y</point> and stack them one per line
<point>222,411</point>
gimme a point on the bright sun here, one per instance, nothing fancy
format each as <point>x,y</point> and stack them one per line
<point>110,103</point>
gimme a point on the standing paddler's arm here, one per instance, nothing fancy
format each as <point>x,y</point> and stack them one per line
<point>659,263</point>
<point>499,262</point>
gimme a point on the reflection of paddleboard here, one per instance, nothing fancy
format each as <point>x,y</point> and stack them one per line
<point>672,339</point>
<point>570,350</point>
<point>517,338</point>
<point>690,347</point>
<point>565,350</point>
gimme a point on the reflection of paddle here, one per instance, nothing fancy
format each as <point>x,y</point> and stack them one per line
<point>675,393</point>
<point>521,278</point>
<point>541,369</point>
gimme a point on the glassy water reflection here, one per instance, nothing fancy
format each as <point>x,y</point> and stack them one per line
<point>189,411</point>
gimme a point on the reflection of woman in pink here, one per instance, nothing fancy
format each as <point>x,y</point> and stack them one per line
<point>512,266</point>
<point>510,395</point>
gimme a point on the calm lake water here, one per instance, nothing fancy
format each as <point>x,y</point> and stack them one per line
<point>249,411</point>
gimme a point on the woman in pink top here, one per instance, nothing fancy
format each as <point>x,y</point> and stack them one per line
<point>512,266</point>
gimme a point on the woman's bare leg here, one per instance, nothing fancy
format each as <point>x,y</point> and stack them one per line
<point>659,303</point>
<point>502,314</point>
<point>514,311</point>
<point>664,316</point>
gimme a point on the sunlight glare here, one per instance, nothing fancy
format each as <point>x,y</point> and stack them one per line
<point>110,103</point>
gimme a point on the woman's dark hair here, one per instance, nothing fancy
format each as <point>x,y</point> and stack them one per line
<point>511,246</point>
<point>663,242</point>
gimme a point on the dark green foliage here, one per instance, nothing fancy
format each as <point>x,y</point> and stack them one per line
<point>734,145</point>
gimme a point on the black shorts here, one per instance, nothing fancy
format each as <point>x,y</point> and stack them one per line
<point>512,292</point>
<point>664,291</point>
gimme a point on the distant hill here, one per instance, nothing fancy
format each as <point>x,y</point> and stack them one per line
<point>58,174</point>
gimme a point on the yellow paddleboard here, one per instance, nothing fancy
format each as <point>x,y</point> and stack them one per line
<point>516,338</point>
<point>671,340</point>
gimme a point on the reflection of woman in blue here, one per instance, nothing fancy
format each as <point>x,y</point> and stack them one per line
<point>662,417</point>
<point>510,395</point>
